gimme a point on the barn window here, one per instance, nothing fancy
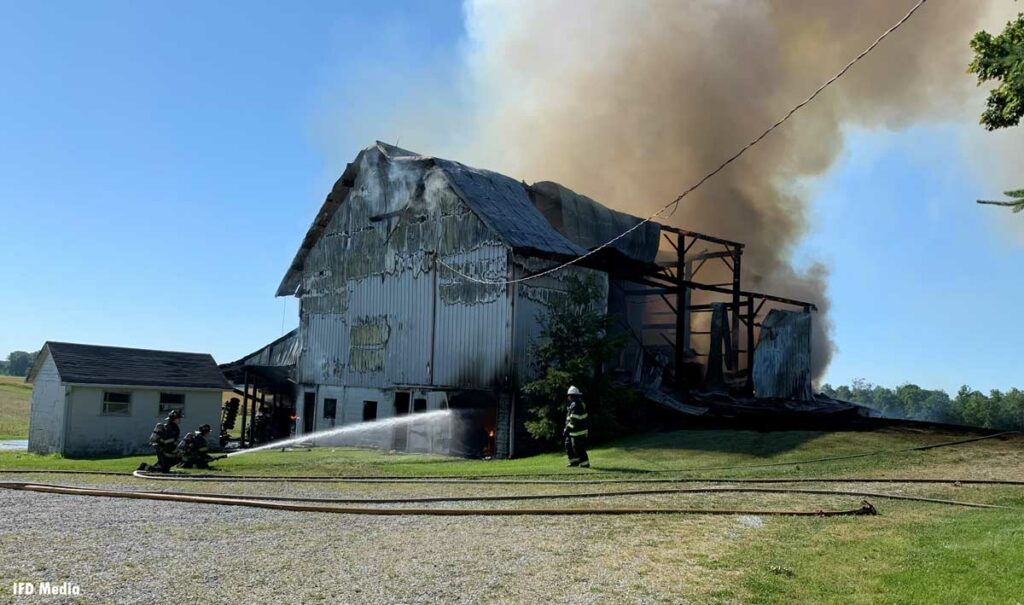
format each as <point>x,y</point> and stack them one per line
<point>116,403</point>
<point>419,405</point>
<point>171,401</point>
<point>330,408</point>
<point>369,410</point>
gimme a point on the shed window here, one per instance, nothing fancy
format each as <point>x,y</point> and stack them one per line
<point>117,403</point>
<point>419,405</point>
<point>330,408</point>
<point>171,401</point>
<point>369,410</point>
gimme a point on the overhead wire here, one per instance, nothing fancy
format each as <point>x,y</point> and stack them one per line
<point>675,202</point>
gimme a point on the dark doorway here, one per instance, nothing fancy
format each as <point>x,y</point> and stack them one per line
<point>308,411</point>
<point>400,440</point>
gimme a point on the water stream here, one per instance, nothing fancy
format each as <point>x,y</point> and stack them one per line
<point>356,430</point>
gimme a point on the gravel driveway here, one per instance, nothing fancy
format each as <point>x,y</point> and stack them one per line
<point>133,551</point>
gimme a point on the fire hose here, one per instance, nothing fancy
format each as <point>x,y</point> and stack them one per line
<point>568,495</point>
<point>865,509</point>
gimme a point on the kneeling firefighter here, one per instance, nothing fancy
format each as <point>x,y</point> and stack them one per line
<point>577,430</point>
<point>195,448</point>
<point>164,440</point>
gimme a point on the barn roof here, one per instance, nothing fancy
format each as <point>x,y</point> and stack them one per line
<point>501,202</point>
<point>96,364</point>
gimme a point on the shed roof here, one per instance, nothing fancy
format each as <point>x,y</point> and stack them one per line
<point>97,364</point>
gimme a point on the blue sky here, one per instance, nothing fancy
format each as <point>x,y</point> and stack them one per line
<point>160,162</point>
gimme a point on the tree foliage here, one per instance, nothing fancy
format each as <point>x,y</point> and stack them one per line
<point>1001,59</point>
<point>1017,204</point>
<point>997,410</point>
<point>576,344</point>
<point>19,363</point>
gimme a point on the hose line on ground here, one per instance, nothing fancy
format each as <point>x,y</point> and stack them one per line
<point>865,509</point>
<point>570,495</point>
<point>488,481</point>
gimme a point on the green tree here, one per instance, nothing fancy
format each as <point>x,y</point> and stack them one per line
<point>1017,204</point>
<point>19,362</point>
<point>576,345</point>
<point>1001,59</point>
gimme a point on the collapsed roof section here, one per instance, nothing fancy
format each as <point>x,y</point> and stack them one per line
<point>545,219</point>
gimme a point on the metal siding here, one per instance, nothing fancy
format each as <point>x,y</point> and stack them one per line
<point>404,300</point>
<point>473,324</point>
<point>324,338</point>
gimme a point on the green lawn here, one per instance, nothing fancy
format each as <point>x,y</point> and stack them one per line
<point>15,397</point>
<point>911,553</point>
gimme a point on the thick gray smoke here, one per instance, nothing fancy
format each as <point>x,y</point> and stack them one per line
<point>631,102</point>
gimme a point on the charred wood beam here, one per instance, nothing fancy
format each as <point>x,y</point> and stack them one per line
<point>701,236</point>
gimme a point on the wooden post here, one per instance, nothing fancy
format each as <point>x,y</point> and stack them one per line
<point>682,310</point>
<point>736,254</point>
<point>245,406</point>
<point>750,344</point>
<point>252,410</point>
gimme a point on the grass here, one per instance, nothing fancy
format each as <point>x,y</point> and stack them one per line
<point>15,397</point>
<point>911,553</point>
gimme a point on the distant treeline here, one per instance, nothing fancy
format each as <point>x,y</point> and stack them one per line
<point>996,410</point>
<point>18,363</point>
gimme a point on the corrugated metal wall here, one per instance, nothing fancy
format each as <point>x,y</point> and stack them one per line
<point>473,321</point>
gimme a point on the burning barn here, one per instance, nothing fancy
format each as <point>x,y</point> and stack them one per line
<point>409,303</point>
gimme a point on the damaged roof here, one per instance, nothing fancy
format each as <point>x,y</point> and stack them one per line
<point>103,365</point>
<point>511,208</point>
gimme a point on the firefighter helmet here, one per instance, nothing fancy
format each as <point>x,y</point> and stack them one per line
<point>175,414</point>
<point>574,391</point>
<point>204,429</point>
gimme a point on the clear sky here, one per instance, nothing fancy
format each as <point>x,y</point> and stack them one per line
<point>160,163</point>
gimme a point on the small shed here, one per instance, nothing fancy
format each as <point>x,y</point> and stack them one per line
<point>90,400</point>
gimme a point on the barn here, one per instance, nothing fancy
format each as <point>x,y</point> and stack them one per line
<point>90,400</point>
<point>409,302</point>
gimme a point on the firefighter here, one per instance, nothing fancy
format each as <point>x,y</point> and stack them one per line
<point>195,448</point>
<point>164,440</point>
<point>577,430</point>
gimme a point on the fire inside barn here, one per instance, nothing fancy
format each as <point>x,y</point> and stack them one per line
<point>390,325</point>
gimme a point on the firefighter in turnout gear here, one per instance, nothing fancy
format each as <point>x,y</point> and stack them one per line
<point>577,430</point>
<point>195,448</point>
<point>164,438</point>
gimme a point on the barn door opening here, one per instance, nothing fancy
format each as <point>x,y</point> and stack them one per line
<point>308,412</point>
<point>400,434</point>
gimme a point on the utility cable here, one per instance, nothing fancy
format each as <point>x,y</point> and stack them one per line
<point>674,203</point>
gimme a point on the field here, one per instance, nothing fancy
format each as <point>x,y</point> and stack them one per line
<point>912,552</point>
<point>15,396</point>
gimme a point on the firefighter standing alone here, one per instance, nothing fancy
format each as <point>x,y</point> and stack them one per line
<point>577,430</point>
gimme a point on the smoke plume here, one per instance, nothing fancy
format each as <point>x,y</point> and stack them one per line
<point>631,102</point>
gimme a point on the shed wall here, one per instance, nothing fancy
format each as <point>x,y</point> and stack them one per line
<point>92,433</point>
<point>46,416</point>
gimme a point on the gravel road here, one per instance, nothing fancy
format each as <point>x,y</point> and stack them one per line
<point>132,551</point>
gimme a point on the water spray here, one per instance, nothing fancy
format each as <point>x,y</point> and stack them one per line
<point>353,429</point>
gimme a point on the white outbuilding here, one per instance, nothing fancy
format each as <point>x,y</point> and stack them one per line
<point>90,400</point>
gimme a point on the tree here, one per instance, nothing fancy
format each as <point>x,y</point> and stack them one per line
<point>1001,59</point>
<point>576,346</point>
<point>19,362</point>
<point>1017,204</point>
